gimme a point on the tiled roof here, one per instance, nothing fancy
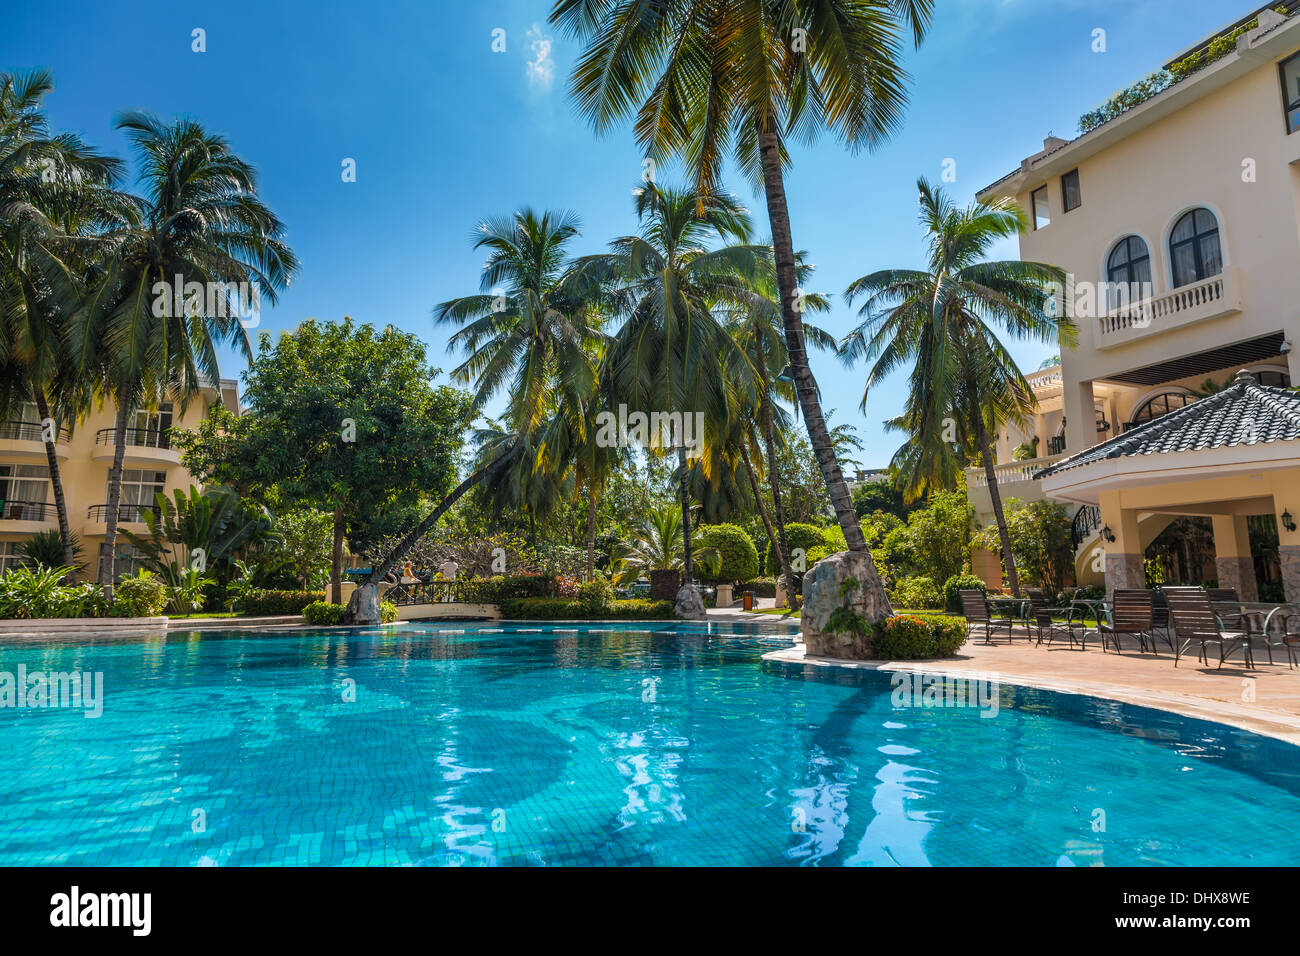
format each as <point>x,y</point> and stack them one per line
<point>1244,413</point>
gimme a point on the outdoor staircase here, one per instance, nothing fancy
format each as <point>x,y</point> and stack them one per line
<point>1088,568</point>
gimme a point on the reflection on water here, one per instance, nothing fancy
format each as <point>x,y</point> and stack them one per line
<point>616,744</point>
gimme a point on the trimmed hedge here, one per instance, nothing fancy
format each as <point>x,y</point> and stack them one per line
<point>961,582</point>
<point>270,603</point>
<point>918,593</point>
<point>913,637</point>
<point>739,556</point>
<point>797,535</point>
<point>561,608</point>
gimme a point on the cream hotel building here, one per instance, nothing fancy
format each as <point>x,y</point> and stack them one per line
<point>1194,195</point>
<point>85,455</point>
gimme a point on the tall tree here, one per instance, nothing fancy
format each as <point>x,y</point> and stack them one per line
<point>672,354</point>
<point>55,192</point>
<point>341,417</point>
<point>201,226</point>
<point>942,322</point>
<point>717,76</point>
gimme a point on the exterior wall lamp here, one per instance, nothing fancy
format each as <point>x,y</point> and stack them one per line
<point>1287,521</point>
<point>1107,534</point>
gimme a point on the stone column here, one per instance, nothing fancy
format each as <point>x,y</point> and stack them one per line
<point>1286,498</point>
<point>1232,560</point>
<point>1289,558</point>
<point>1123,555</point>
<point>1080,418</point>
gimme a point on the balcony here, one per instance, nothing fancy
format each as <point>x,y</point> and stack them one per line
<point>143,446</point>
<point>24,441</point>
<point>1015,480</point>
<point>1187,305</point>
<point>126,513</point>
<point>19,517</point>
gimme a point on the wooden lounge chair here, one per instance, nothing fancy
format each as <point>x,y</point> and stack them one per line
<point>1132,615</point>
<point>1195,622</point>
<point>975,607</point>
<point>1161,626</point>
<point>1231,619</point>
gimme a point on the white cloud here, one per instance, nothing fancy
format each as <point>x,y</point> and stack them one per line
<point>541,68</point>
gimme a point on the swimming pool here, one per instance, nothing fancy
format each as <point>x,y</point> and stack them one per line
<point>555,744</point>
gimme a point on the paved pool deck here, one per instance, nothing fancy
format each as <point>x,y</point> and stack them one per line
<point>1264,700</point>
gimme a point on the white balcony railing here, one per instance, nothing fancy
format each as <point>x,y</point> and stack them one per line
<point>1013,472</point>
<point>1187,305</point>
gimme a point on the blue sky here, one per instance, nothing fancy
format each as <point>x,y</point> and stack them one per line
<point>445,131</point>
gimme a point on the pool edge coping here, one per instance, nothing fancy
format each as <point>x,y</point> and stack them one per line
<point>1273,724</point>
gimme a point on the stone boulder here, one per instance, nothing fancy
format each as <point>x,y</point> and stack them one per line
<point>826,588</point>
<point>690,604</point>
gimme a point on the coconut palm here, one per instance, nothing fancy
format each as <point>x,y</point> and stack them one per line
<point>713,77</point>
<point>943,323</point>
<point>756,324</point>
<point>672,352</point>
<point>200,221</point>
<point>526,331</point>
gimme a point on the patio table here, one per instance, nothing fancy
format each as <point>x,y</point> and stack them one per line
<point>1012,607</point>
<point>1258,616</point>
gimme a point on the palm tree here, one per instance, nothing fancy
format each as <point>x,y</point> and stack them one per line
<point>658,546</point>
<point>672,352</point>
<point>943,323</point>
<point>55,191</point>
<point>200,219</point>
<point>526,331</point>
<point>717,76</point>
<point>756,324</point>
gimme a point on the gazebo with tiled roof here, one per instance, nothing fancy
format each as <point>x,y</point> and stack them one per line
<point>1231,455</point>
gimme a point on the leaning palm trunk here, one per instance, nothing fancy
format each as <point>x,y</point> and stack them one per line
<point>783,251</point>
<point>108,557</point>
<point>688,567</point>
<point>363,606</point>
<point>56,482</point>
<point>986,453</point>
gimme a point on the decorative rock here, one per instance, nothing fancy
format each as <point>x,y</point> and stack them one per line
<point>825,590</point>
<point>690,604</point>
<point>363,606</point>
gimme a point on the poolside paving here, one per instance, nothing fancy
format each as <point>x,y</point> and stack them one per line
<point>1265,699</point>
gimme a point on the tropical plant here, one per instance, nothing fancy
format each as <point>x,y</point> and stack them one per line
<point>199,531</point>
<point>671,352</point>
<point>53,190</point>
<point>200,223</point>
<point>942,322</point>
<point>186,594</point>
<point>141,596</point>
<point>33,592</point>
<point>46,549</point>
<point>741,75</point>
<point>1040,541</point>
<point>658,547</point>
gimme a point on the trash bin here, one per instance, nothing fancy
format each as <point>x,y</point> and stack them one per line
<point>748,598</point>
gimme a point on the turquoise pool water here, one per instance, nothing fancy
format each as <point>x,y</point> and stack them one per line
<point>607,744</point>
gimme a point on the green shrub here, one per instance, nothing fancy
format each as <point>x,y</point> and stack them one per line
<point>324,614</point>
<point>738,558</point>
<point>797,535</point>
<point>762,587</point>
<point>141,596</point>
<point>565,609</point>
<point>387,612</point>
<point>273,603</point>
<point>910,637</point>
<point>965,581</point>
<point>596,596</point>
<point>816,554</point>
<point>37,592</point>
<point>918,592</point>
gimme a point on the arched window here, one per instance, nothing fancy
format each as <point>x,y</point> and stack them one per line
<point>1158,405</point>
<point>1194,247</point>
<point>1129,262</point>
<point>1273,377</point>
